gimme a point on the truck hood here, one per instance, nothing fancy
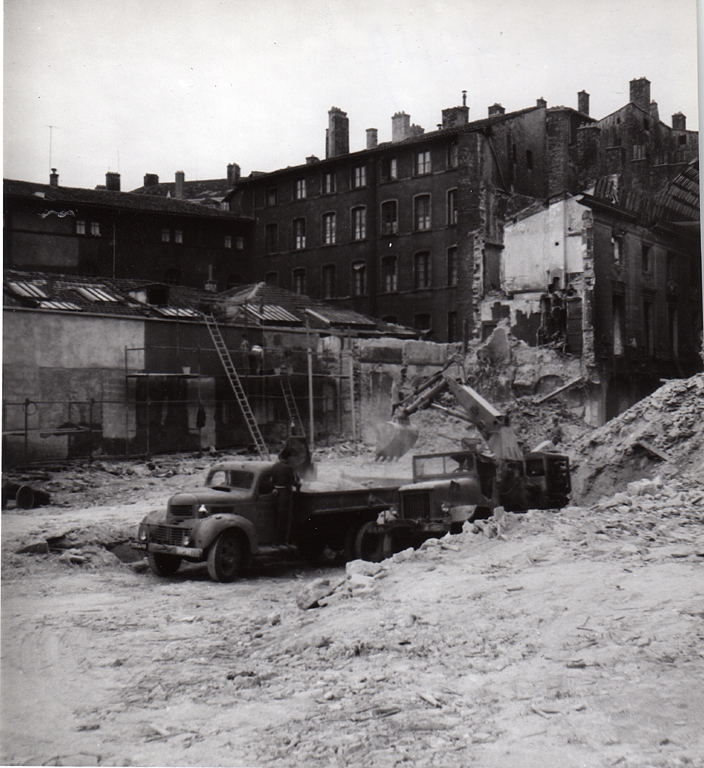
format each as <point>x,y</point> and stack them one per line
<point>209,496</point>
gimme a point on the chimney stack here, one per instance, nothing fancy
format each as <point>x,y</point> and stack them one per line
<point>53,178</point>
<point>178,185</point>
<point>456,115</point>
<point>679,122</point>
<point>150,180</point>
<point>541,102</point>
<point>496,109</point>
<point>112,181</point>
<point>233,174</point>
<point>312,159</point>
<point>640,93</point>
<point>583,102</point>
<point>654,112</point>
<point>337,136</point>
<point>372,138</point>
<point>400,126</point>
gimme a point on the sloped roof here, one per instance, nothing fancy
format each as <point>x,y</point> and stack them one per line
<point>102,197</point>
<point>205,192</point>
<point>679,201</point>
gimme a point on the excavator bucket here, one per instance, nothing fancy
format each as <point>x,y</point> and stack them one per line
<point>394,439</point>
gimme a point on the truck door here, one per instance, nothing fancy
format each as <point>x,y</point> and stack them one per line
<point>265,508</point>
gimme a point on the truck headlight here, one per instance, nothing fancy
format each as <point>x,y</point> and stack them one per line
<point>186,540</point>
<point>142,533</point>
<point>445,507</point>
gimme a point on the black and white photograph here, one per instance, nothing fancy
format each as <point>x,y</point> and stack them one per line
<point>353,384</point>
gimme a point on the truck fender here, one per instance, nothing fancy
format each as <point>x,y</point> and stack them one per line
<point>155,517</point>
<point>211,527</point>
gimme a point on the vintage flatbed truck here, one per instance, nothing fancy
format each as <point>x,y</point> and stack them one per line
<point>233,517</point>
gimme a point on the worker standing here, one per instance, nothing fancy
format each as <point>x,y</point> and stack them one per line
<point>285,479</point>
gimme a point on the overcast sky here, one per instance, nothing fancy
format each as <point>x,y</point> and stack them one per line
<point>156,86</point>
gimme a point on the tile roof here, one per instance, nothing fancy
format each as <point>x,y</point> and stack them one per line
<point>110,199</point>
<point>679,201</point>
<point>206,192</point>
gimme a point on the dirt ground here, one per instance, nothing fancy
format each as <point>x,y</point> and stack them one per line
<point>571,638</point>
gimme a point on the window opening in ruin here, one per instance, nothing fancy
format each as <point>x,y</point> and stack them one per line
<point>359,223</point>
<point>672,328</point>
<point>422,270</point>
<point>617,244</point>
<point>299,280</point>
<point>389,274</point>
<point>648,339</point>
<point>618,309</point>
<point>329,281</point>
<point>452,327</point>
<point>452,276</point>
<point>299,234</point>
<point>671,267</point>
<point>646,260</point>
<point>359,278</point>
<point>329,228</point>
<point>422,212</point>
<point>389,217</point>
<point>272,238</point>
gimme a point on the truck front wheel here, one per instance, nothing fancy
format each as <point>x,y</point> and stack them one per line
<point>163,564</point>
<point>225,557</point>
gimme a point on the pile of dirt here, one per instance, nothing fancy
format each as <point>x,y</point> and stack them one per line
<point>660,435</point>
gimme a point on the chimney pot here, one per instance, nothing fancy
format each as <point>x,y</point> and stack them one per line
<point>337,136</point>
<point>312,159</point>
<point>150,180</point>
<point>53,178</point>
<point>496,109</point>
<point>112,181</point>
<point>400,126</point>
<point>679,122</point>
<point>233,174</point>
<point>541,102</point>
<point>372,138</point>
<point>583,102</point>
<point>178,184</point>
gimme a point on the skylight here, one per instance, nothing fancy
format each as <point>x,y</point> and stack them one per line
<point>28,290</point>
<point>177,312</point>
<point>94,293</point>
<point>68,306</point>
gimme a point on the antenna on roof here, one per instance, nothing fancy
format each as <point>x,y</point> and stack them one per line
<point>51,128</point>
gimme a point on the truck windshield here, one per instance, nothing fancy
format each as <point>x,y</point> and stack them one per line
<point>233,478</point>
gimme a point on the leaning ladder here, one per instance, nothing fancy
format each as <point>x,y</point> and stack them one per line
<point>236,384</point>
<point>294,416</point>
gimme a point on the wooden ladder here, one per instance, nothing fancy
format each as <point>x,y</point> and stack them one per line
<point>237,387</point>
<point>294,416</point>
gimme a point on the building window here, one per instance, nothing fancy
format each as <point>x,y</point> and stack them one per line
<point>300,189</point>
<point>172,277</point>
<point>359,223</point>
<point>328,183</point>
<point>299,234</point>
<point>271,196</point>
<point>452,278</point>
<point>389,217</point>
<point>453,154</point>
<point>682,139</point>
<point>617,243</point>
<point>423,163</point>
<point>646,258</point>
<point>421,212</point>
<point>359,278</point>
<point>80,227</point>
<point>389,275</point>
<point>95,228</point>
<point>389,169</point>
<point>228,241</point>
<point>299,280</point>
<point>239,243</point>
<point>271,278</point>
<point>329,281</point>
<point>165,235</point>
<point>452,206</point>
<point>617,318</point>
<point>452,327</point>
<point>329,228</point>
<point>638,151</point>
<point>272,238</point>
<point>178,236</point>
<point>422,270</point>
<point>422,322</point>
<point>359,176</point>
<point>529,159</point>
<point>648,336</point>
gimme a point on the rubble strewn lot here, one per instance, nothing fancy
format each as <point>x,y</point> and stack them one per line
<point>570,638</point>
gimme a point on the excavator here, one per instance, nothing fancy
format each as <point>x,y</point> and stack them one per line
<point>516,479</point>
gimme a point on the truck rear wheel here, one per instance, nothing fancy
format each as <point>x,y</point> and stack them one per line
<point>369,543</point>
<point>163,564</point>
<point>225,557</point>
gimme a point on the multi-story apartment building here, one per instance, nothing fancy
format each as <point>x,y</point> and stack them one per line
<point>411,230</point>
<point>108,233</point>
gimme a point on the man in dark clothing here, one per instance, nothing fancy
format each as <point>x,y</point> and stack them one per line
<point>285,478</point>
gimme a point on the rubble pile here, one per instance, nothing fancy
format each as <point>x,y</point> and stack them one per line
<point>660,435</point>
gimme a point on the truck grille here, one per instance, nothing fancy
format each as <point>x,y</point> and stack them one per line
<point>169,534</point>
<point>415,505</point>
<point>181,510</point>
